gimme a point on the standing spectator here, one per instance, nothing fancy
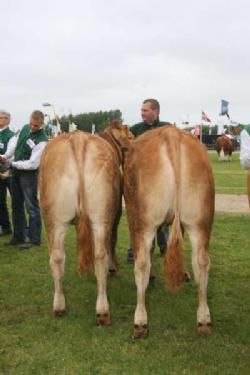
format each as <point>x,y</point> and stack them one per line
<point>245,147</point>
<point>5,183</point>
<point>150,112</point>
<point>197,131</point>
<point>27,150</point>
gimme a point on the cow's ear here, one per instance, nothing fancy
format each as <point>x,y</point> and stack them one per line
<point>121,137</point>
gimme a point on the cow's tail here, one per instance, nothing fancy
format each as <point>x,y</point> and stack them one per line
<point>85,247</point>
<point>174,267</point>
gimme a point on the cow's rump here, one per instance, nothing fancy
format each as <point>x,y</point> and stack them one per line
<point>150,171</point>
<point>62,174</point>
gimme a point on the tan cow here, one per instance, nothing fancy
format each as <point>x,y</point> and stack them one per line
<point>168,178</point>
<point>224,147</point>
<point>80,183</point>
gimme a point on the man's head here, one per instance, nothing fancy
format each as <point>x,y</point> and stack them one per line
<point>150,110</point>
<point>36,121</point>
<point>4,118</point>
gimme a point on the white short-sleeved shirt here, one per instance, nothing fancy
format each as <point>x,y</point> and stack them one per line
<point>245,149</point>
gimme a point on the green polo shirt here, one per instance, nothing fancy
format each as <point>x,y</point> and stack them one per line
<point>5,136</point>
<point>143,127</point>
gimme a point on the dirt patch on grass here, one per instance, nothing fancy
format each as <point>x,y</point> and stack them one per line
<point>231,203</point>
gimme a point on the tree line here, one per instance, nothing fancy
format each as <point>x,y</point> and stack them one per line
<point>84,121</point>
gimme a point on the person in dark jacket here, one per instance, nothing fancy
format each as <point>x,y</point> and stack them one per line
<point>5,181</point>
<point>150,112</point>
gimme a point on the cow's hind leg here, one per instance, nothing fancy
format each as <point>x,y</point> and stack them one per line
<point>100,237</point>
<point>142,244</point>
<point>57,261</point>
<point>201,264</point>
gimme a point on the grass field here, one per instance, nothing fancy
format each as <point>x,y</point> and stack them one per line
<point>229,177</point>
<point>32,341</point>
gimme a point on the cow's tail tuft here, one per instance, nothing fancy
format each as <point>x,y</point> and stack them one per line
<point>84,245</point>
<point>85,248</point>
<point>174,266</point>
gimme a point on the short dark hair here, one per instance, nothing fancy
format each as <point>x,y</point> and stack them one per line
<point>37,115</point>
<point>154,103</point>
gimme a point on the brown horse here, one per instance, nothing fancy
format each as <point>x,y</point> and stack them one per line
<point>224,147</point>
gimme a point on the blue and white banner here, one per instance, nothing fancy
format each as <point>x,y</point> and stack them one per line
<point>224,108</point>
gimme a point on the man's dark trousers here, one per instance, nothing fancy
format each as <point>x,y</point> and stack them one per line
<point>24,194</point>
<point>5,185</point>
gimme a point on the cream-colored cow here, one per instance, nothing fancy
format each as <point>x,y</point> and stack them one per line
<point>80,183</point>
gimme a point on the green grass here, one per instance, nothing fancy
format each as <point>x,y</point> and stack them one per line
<point>229,177</point>
<point>32,341</point>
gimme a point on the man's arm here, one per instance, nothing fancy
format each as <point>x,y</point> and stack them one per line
<point>10,149</point>
<point>34,160</point>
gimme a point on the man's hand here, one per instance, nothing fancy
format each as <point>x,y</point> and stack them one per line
<point>2,159</point>
<point>5,165</point>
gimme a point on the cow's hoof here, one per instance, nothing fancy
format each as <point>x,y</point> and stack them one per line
<point>103,319</point>
<point>204,329</point>
<point>140,332</point>
<point>59,313</point>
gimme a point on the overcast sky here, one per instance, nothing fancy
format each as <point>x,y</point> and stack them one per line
<point>93,55</point>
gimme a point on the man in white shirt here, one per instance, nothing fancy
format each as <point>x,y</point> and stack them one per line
<point>26,148</point>
<point>245,147</point>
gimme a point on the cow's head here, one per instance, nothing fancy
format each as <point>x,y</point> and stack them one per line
<point>119,137</point>
<point>120,133</point>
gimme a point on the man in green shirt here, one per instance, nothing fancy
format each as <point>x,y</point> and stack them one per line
<point>27,150</point>
<point>150,112</point>
<point>5,184</point>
